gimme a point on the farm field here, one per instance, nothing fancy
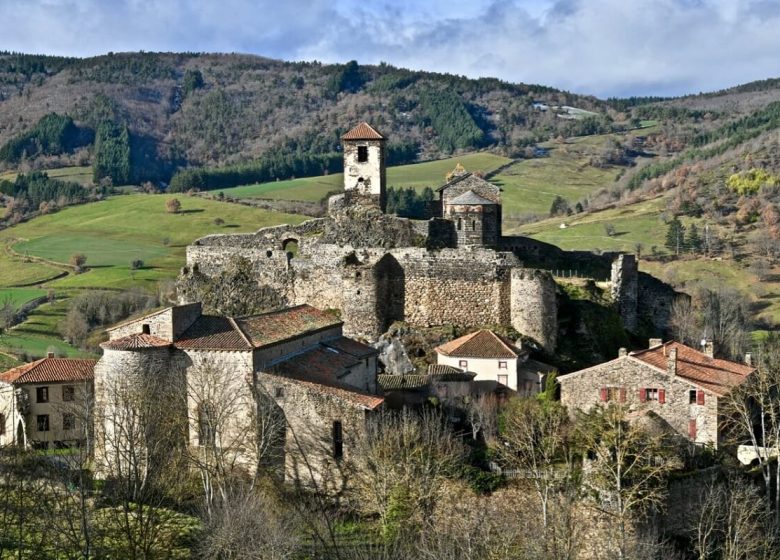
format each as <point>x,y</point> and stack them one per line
<point>81,175</point>
<point>113,232</point>
<point>417,175</point>
<point>20,296</point>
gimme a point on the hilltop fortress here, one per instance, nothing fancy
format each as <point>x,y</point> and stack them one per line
<point>454,268</point>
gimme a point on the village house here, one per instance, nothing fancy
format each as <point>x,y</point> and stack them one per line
<point>682,386</point>
<point>447,386</point>
<point>45,404</point>
<point>295,361</point>
<point>496,361</point>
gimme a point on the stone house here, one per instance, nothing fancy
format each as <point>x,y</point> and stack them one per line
<point>440,385</point>
<point>46,403</point>
<point>496,360</point>
<point>682,386</point>
<point>292,365</point>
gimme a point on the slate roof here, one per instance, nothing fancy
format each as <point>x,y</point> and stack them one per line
<point>51,370</point>
<point>135,342</point>
<point>480,344</point>
<point>472,182</point>
<point>225,333</point>
<point>717,375</point>
<point>470,198</point>
<point>363,131</point>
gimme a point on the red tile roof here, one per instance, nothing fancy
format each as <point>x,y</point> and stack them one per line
<point>51,370</point>
<point>714,374</point>
<point>353,347</point>
<point>480,344</point>
<point>213,333</point>
<point>363,131</point>
<point>278,326</point>
<point>363,400</point>
<point>135,342</point>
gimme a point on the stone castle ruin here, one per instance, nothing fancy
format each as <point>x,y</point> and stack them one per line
<point>454,269</point>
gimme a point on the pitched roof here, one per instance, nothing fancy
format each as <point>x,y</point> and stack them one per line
<point>210,332</point>
<point>363,131</point>
<point>51,370</point>
<point>351,396</point>
<point>353,347</point>
<point>714,374</point>
<point>470,198</point>
<point>394,382</point>
<point>135,342</point>
<point>470,181</point>
<point>480,344</point>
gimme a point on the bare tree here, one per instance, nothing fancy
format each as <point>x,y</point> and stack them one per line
<point>482,413</point>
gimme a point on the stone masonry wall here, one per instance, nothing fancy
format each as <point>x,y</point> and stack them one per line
<point>582,390</point>
<point>625,289</point>
<point>534,306</point>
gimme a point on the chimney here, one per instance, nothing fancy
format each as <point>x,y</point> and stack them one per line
<point>49,354</point>
<point>708,348</point>
<point>622,353</point>
<point>655,342</point>
<point>749,359</point>
<point>671,361</point>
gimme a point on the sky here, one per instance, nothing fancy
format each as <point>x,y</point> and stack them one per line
<point>599,47</point>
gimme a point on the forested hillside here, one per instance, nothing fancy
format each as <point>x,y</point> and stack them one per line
<point>159,112</point>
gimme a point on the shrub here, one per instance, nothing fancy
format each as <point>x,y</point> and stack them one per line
<point>219,222</point>
<point>77,261</point>
<point>136,264</point>
<point>173,206</point>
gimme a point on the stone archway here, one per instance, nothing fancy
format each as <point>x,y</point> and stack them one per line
<point>290,246</point>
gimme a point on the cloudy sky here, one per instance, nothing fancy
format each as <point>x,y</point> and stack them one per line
<point>602,47</point>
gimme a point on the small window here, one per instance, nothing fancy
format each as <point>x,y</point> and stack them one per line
<point>338,440</point>
<point>502,365</point>
<point>42,394</point>
<point>205,424</point>
<point>692,396</point>
<point>651,394</point>
<point>608,394</point>
<point>473,225</point>
<point>68,393</point>
<point>2,424</point>
<point>68,421</point>
<point>146,329</point>
<point>279,392</point>
<point>463,364</point>
<point>503,380</point>
<point>43,422</point>
<point>362,154</point>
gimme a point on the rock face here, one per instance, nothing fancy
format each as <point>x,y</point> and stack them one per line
<point>392,354</point>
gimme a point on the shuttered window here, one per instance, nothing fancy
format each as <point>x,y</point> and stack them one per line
<point>661,396</point>
<point>692,428</point>
<point>700,397</point>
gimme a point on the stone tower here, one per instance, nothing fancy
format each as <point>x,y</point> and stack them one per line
<point>476,219</point>
<point>364,166</point>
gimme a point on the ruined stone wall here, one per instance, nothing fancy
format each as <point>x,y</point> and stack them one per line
<point>582,390</point>
<point>309,448</point>
<point>534,306</point>
<point>624,289</point>
<point>654,302</point>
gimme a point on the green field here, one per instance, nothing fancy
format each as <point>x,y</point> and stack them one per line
<point>113,232</point>
<point>418,175</point>
<point>82,175</point>
<point>20,296</point>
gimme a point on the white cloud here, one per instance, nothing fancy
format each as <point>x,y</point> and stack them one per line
<point>604,47</point>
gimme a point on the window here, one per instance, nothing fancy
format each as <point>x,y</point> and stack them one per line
<point>2,424</point>
<point>362,154</point>
<point>43,422</point>
<point>68,421</point>
<point>68,393</point>
<point>279,392</point>
<point>503,380</point>
<point>145,329</point>
<point>692,396</point>
<point>501,365</point>
<point>338,440</point>
<point>42,394</point>
<point>692,428</point>
<point>651,394</point>
<point>473,225</point>
<point>460,224</point>
<point>205,424</point>
<point>615,394</point>
<point>463,364</point>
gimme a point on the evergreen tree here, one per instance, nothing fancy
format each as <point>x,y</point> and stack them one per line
<point>112,153</point>
<point>694,241</point>
<point>559,207</point>
<point>675,236</point>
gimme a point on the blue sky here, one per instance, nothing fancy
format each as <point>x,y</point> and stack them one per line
<point>602,47</point>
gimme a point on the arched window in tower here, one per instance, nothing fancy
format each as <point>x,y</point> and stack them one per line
<point>362,154</point>
<point>460,224</point>
<point>473,225</point>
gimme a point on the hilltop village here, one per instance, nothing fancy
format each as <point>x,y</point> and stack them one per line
<point>295,324</point>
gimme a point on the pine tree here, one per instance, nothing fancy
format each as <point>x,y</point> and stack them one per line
<point>694,242</point>
<point>675,236</point>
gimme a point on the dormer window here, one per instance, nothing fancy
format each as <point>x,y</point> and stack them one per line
<point>145,329</point>
<point>362,154</point>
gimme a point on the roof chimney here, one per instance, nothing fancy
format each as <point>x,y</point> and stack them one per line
<point>708,348</point>
<point>655,342</point>
<point>49,354</point>
<point>749,359</point>
<point>622,352</point>
<point>671,361</point>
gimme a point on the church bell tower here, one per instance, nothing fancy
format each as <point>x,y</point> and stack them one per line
<point>364,166</point>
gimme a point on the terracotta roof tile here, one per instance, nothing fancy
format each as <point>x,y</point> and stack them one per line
<point>135,342</point>
<point>51,370</point>
<point>719,376</point>
<point>213,333</point>
<point>277,326</point>
<point>390,382</point>
<point>480,344</point>
<point>353,347</point>
<point>363,131</point>
<point>363,400</point>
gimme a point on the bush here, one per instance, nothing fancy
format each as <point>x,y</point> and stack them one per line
<point>173,206</point>
<point>136,264</point>
<point>77,261</point>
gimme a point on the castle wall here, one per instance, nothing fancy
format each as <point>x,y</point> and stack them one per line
<point>534,307</point>
<point>624,288</point>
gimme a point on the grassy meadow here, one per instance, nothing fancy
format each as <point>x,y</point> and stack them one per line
<point>77,174</point>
